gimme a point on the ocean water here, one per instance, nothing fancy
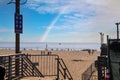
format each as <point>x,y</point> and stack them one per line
<point>50,45</point>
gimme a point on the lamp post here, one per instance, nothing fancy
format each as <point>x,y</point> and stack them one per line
<point>117,29</point>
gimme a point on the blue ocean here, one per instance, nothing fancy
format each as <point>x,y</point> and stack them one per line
<point>50,45</point>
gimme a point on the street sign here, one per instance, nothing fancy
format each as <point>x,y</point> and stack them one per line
<point>18,23</point>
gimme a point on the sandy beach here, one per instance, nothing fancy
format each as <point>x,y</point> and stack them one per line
<point>76,61</point>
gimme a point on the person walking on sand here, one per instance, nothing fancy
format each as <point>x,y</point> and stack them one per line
<point>2,73</point>
<point>93,51</point>
<point>89,51</point>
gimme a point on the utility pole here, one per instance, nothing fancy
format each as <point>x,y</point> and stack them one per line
<point>18,24</point>
<point>18,29</point>
<point>17,39</point>
<point>17,35</point>
<point>117,29</point>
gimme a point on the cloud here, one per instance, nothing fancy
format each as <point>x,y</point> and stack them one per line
<point>1,1</point>
<point>78,11</point>
<point>55,6</point>
<point>73,36</point>
<point>5,30</point>
<point>0,39</point>
<point>88,17</point>
<point>46,6</point>
<point>78,8</point>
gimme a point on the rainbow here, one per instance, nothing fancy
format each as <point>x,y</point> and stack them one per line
<point>50,26</point>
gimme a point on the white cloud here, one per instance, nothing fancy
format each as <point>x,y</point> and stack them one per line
<point>97,2</point>
<point>5,30</point>
<point>56,6</point>
<point>1,39</point>
<point>1,1</point>
<point>88,16</point>
<point>77,7</point>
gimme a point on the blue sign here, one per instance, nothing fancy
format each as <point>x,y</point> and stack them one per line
<point>18,23</point>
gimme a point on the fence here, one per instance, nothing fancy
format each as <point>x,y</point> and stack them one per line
<point>88,74</point>
<point>65,74</point>
<point>9,63</point>
<point>29,69</point>
<point>50,65</point>
<point>23,68</point>
<point>34,65</point>
<point>47,64</point>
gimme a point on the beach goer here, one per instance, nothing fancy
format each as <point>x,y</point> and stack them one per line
<point>93,51</point>
<point>89,51</point>
<point>49,53</point>
<point>2,73</point>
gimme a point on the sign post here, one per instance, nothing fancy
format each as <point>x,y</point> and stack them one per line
<point>17,35</point>
<point>18,28</point>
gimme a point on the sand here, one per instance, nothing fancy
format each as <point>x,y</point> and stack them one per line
<point>76,61</point>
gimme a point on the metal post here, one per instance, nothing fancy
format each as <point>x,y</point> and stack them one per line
<point>117,30</point>
<point>65,73</point>
<point>57,69</point>
<point>22,56</point>
<point>9,68</point>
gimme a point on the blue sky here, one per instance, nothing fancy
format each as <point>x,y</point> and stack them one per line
<point>61,20</point>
